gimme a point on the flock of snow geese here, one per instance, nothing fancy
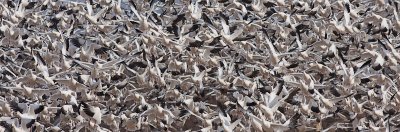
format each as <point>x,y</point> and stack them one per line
<point>199,65</point>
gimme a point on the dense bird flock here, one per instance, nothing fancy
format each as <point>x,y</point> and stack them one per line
<point>205,65</point>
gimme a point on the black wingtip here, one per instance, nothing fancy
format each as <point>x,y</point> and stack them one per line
<point>347,7</point>
<point>315,109</point>
<point>6,126</point>
<point>377,67</point>
<point>15,107</point>
<point>29,124</point>
<point>39,109</point>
